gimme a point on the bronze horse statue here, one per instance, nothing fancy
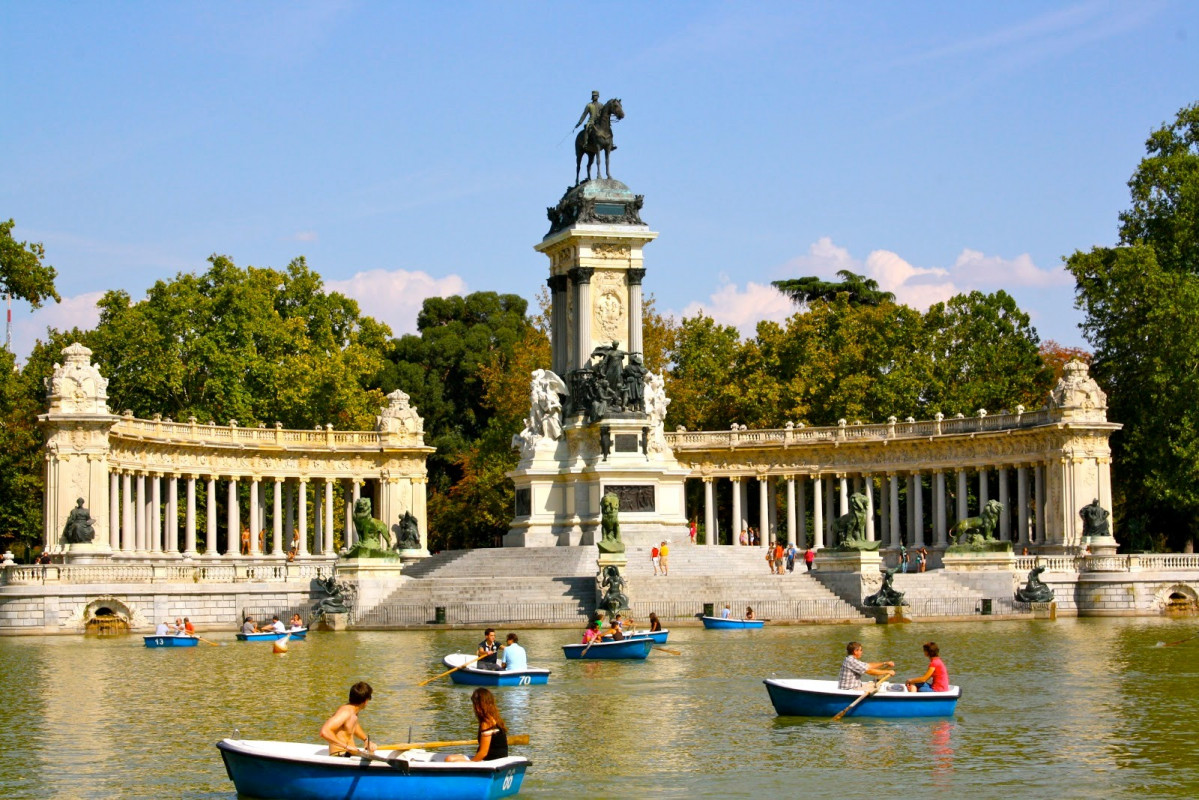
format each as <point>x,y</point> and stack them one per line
<point>597,138</point>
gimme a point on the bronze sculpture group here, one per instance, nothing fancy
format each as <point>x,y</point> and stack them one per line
<point>607,384</point>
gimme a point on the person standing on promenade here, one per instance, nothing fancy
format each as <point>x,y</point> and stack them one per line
<point>663,554</point>
<point>653,557</point>
<point>809,556</point>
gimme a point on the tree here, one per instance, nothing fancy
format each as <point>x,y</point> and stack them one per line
<point>1057,355</point>
<point>20,461</point>
<point>22,273</point>
<point>1165,195</point>
<point>701,381</point>
<point>859,289</point>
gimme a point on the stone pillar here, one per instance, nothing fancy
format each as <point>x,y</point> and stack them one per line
<point>791,509</point>
<point>772,510</point>
<point>560,356</point>
<point>1039,509</point>
<point>896,538</point>
<point>736,481</point>
<point>918,510</point>
<point>329,548</point>
<point>982,489</point>
<point>254,520</point>
<point>635,276</point>
<point>843,508</point>
<point>189,530</point>
<point>868,486</point>
<point>302,513</point>
<point>710,531</point>
<point>910,510</point>
<point>289,500</point>
<point>155,521</point>
<point>128,532</point>
<point>1022,506</point>
<point>817,511</point>
<point>963,500</point>
<point>1005,514</point>
<point>830,509</point>
<point>277,517</point>
<point>139,514</point>
<point>172,515</point>
<point>318,519</point>
<point>114,511</point>
<point>763,511</point>
<point>210,548</point>
<point>351,536</point>
<point>801,511</point>
<point>939,528</point>
<point>581,278</point>
<point>233,521</point>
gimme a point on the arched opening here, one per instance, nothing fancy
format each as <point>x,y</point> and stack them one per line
<point>106,617</point>
<point>1180,600</point>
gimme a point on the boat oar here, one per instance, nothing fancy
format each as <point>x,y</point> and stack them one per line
<point>1180,641</point>
<point>597,637</point>
<point>521,739</point>
<point>206,641</point>
<point>668,650</point>
<point>448,671</point>
<point>877,685</point>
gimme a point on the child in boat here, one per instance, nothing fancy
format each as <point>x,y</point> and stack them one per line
<point>749,613</point>
<point>936,679</point>
<point>341,729</point>
<point>493,733</point>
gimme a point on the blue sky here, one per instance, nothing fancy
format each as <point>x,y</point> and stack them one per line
<point>411,149</point>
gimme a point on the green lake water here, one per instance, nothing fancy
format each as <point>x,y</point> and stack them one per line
<point>1072,708</point>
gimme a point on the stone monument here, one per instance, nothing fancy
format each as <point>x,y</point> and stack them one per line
<point>596,414</point>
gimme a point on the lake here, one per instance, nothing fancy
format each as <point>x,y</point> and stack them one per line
<point>1072,708</point>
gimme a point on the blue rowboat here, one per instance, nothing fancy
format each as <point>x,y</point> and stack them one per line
<point>271,636</point>
<point>658,637</point>
<point>472,676</point>
<point>719,623</point>
<point>624,649</point>
<point>170,640</point>
<point>812,698</point>
<point>298,771</point>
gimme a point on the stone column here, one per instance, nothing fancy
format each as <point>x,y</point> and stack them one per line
<point>277,517</point>
<point>289,500</point>
<point>581,278</point>
<point>763,511</point>
<point>736,481</point>
<point>172,515</point>
<point>351,536</point>
<point>318,519</point>
<point>635,276</point>
<point>896,537</point>
<point>918,510</point>
<point>817,511</point>
<point>302,513</point>
<point>210,548</point>
<point>939,529</point>
<point>982,489</point>
<point>843,508</point>
<point>114,511</point>
<point>1039,509</point>
<point>254,520</point>
<point>1005,514</point>
<point>963,500</point>
<point>910,510</point>
<point>128,534</point>
<point>233,521</point>
<point>139,514</point>
<point>801,511</point>
<point>868,486</point>
<point>791,509</point>
<point>189,530</point>
<point>710,531</point>
<point>559,356</point>
<point>156,543</point>
<point>1022,506</point>
<point>772,511</point>
<point>830,509</point>
<point>329,548</point>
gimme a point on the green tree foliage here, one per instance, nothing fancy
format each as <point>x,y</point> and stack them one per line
<point>1141,302</point>
<point>859,289</point>
<point>1165,195</point>
<point>20,460</point>
<point>22,273</point>
<point>255,345</point>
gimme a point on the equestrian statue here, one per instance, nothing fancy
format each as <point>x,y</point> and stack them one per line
<point>596,136</point>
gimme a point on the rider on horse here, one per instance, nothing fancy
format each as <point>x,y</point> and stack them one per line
<point>591,113</point>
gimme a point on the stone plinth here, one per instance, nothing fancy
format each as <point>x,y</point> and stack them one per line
<point>88,553</point>
<point>890,615</point>
<point>1044,610</point>
<point>979,561</point>
<point>335,622</point>
<point>867,562</point>
<point>1101,545</point>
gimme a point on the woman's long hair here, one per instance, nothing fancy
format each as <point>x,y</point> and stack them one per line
<point>485,708</point>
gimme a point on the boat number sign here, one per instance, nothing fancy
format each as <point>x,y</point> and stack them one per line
<point>525,680</point>
<point>159,642</point>
<point>508,776</point>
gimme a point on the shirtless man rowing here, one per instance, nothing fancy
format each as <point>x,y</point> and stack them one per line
<point>341,729</point>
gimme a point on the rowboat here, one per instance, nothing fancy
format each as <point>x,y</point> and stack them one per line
<point>624,649</point>
<point>720,623</point>
<point>298,771</point>
<point>813,698</point>
<point>271,636</point>
<point>658,637</point>
<point>473,676</point>
<point>171,640</point>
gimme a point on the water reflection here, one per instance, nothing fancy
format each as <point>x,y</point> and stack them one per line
<point>941,752</point>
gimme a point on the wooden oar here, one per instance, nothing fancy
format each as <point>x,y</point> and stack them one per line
<point>521,739</point>
<point>448,671</point>
<point>206,641</point>
<point>1180,641</point>
<point>668,650</point>
<point>877,685</point>
<point>598,636</point>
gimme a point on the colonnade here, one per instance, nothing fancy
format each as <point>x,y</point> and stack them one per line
<point>911,508</point>
<point>145,520</point>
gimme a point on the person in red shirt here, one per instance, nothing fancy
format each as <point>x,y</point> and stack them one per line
<point>187,626</point>
<point>936,679</point>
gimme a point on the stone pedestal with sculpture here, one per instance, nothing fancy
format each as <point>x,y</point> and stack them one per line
<point>596,415</point>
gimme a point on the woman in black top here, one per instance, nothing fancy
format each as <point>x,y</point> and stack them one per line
<point>493,733</point>
<point>654,625</point>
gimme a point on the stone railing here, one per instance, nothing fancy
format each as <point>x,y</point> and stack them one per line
<point>77,574</point>
<point>1164,561</point>
<point>230,436</point>
<point>784,437</point>
<point>1123,562</point>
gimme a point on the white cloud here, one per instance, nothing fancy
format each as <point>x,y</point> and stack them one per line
<point>305,236</point>
<point>729,305</point>
<point>395,296</point>
<point>73,312</point>
<point>992,271</point>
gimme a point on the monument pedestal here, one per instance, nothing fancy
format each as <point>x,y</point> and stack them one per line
<point>88,553</point>
<point>866,562</point>
<point>1044,610</point>
<point>890,615</point>
<point>335,622</point>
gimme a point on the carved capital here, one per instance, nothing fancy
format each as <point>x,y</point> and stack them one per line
<point>636,275</point>
<point>580,275</point>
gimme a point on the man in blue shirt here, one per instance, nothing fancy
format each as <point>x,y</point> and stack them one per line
<point>514,655</point>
